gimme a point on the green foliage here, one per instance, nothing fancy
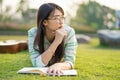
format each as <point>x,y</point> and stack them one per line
<point>84,29</point>
<point>93,62</point>
<point>93,15</point>
<point>22,15</point>
<point>94,25</point>
<point>29,16</point>
<point>11,26</point>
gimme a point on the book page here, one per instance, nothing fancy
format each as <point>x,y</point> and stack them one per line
<point>43,71</point>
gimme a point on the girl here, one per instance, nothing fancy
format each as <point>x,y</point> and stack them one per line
<point>52,44</point>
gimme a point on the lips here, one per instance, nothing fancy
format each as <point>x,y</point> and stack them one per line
<point>60,27</point>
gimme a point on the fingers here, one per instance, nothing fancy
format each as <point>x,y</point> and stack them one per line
<point>62,32</point>
<point>57,72</point>
<point>54,72</point>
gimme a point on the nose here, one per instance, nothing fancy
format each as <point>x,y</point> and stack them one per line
<point>61,21</point>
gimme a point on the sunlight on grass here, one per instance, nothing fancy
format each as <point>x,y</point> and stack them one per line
<point>93,62</point>
<point>10,37</point>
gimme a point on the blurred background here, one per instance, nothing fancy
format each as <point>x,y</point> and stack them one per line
<point>97,26</point>
<point>85,16</point>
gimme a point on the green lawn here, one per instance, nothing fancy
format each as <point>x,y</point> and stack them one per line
<point>93,62</point>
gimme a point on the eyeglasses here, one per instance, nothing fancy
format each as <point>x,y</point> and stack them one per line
<point>57,18</point>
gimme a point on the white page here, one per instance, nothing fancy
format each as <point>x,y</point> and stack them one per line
<point>36,71</point>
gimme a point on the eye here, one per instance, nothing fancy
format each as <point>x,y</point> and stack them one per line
<point>59,18</point>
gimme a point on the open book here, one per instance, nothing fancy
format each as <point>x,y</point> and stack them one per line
<point>43,71</point>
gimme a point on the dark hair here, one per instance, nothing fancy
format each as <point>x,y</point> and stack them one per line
<point>43,13</point>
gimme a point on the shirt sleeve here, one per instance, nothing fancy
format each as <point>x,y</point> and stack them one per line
<point>34,55</point>
<point>70,48</point>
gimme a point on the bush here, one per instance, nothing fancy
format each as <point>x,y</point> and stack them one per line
<point>84,29</point>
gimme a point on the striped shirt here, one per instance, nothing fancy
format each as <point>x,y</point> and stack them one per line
<point>70,47</point>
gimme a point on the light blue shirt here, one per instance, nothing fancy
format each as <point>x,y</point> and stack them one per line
<point>70,47</point>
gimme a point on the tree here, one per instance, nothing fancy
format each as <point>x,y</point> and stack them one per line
<point>1,5</point>
<point>4,14</point>
<point>22,7</point>
<point>93,15</point>
<point>29,15</point>
<point>1,10</point>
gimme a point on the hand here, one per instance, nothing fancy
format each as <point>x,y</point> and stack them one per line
<point>55,69</point>
<point>60,34</point>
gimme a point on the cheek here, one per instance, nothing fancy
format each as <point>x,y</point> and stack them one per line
<point>54,25</point>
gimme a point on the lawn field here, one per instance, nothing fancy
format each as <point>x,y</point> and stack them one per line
<point>93,62</point>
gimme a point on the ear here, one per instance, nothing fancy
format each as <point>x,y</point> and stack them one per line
<point>45,22</point>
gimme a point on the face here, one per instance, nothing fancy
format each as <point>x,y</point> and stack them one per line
<point>54,21</point>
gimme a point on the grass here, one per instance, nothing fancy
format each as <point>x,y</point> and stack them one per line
<point>93,62</point>
<point>11,37</point>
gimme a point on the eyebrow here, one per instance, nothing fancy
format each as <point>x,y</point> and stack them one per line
<point>58,15</point>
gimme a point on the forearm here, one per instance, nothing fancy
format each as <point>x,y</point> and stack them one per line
<point>47,55</point>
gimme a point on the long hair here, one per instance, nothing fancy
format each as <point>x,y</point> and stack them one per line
<point>43,13</point>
